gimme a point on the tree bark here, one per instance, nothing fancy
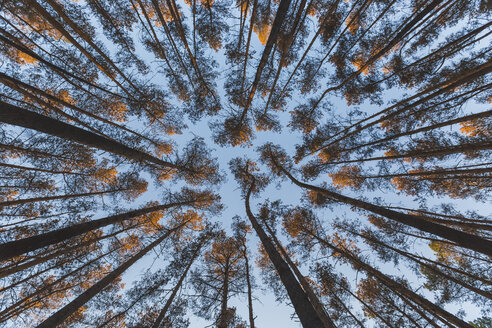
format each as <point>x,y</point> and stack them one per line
<point>21,246</point>
<point>303,307</point>
<point>463,239</point>
<point>72,307</point>
<point>14,115</point>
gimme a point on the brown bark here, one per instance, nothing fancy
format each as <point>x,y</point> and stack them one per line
<point>162,313</point>
<point>21,246</point>
<point>69,309</point>
<point>303,307</point>
<point>463,239</point>
<point>14,115</point>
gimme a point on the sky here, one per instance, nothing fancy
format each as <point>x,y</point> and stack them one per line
<point>270,313</point>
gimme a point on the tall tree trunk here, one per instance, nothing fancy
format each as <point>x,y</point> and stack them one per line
<point>223,321</point>
<point>398,37</point>
<point>463,239</point>
<point>448,85</point>
<point>249,287</point>
<point>8,312</point>
<point>163,312</point>
<point>318,306</point>
<point>72,307</point>
<point>21,246</point>
<point>14,115</point>
<point>272,38</point>
<point>303,307</point>
<point>424,129</point>
<point>72,106</point>
<point>433,268</point>
<point>59,70</point>
<point>438,312</point>
<point>48,198</point>
<point>449,150</point>
<point>51,254</point>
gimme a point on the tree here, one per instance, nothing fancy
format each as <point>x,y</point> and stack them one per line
<point>108,115</point>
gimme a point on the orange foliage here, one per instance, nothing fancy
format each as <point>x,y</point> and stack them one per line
<point>162,149</point>
<point>475,128</point>
<point>262,31</point>
<point>347,176</point>
<point>23,59</point>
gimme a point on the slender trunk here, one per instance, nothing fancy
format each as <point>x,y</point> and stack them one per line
<point>449,150</point>
<point>441,88</point>
<point>399,36</point>
<point>463,239</point>
<point>272,38</point>
<point>12,269</point>
<point>290,39</point>
<point>163,312</point>
<point>21,246</point>
<point>72,307</point>
<point>170,38</point>
<point>303,307</point>
<point>437,174</point>
<point>14,115</point>
<point>424,264</point>
<point>48,198</point>
<point>438,312</point>
<point>223,321</point>
<point>367,306</point>
<point>34,169</point>
<point>318,306</point>
<point>71,106</point>
<point>58,26</point>
<point>424,129</point>
<point>61,71</point>
<point>250,292</point>
<point>5,315</point>
<point>248,42</point>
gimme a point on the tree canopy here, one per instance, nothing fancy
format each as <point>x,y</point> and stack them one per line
<point>173,163</point>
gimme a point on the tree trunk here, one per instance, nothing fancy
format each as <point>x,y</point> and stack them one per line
<point>248,283</point>
<point>463,239</point>
<point>21,246</point>
<point>317,305</point>
<point>163,312</point>
<point>447,85</point>
<point>223,321</point>
<point>14,115</point>
<point>5,315</point>
<point>449,150</point>
<point>303,307</point>
<point>272,38</point>
<point>72,307</point>
<point>48,198</point>
<point>425,128</point>
<point>433,268</point>
<point>393,285</point>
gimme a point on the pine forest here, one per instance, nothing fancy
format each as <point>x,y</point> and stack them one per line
<point>246,163</point>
